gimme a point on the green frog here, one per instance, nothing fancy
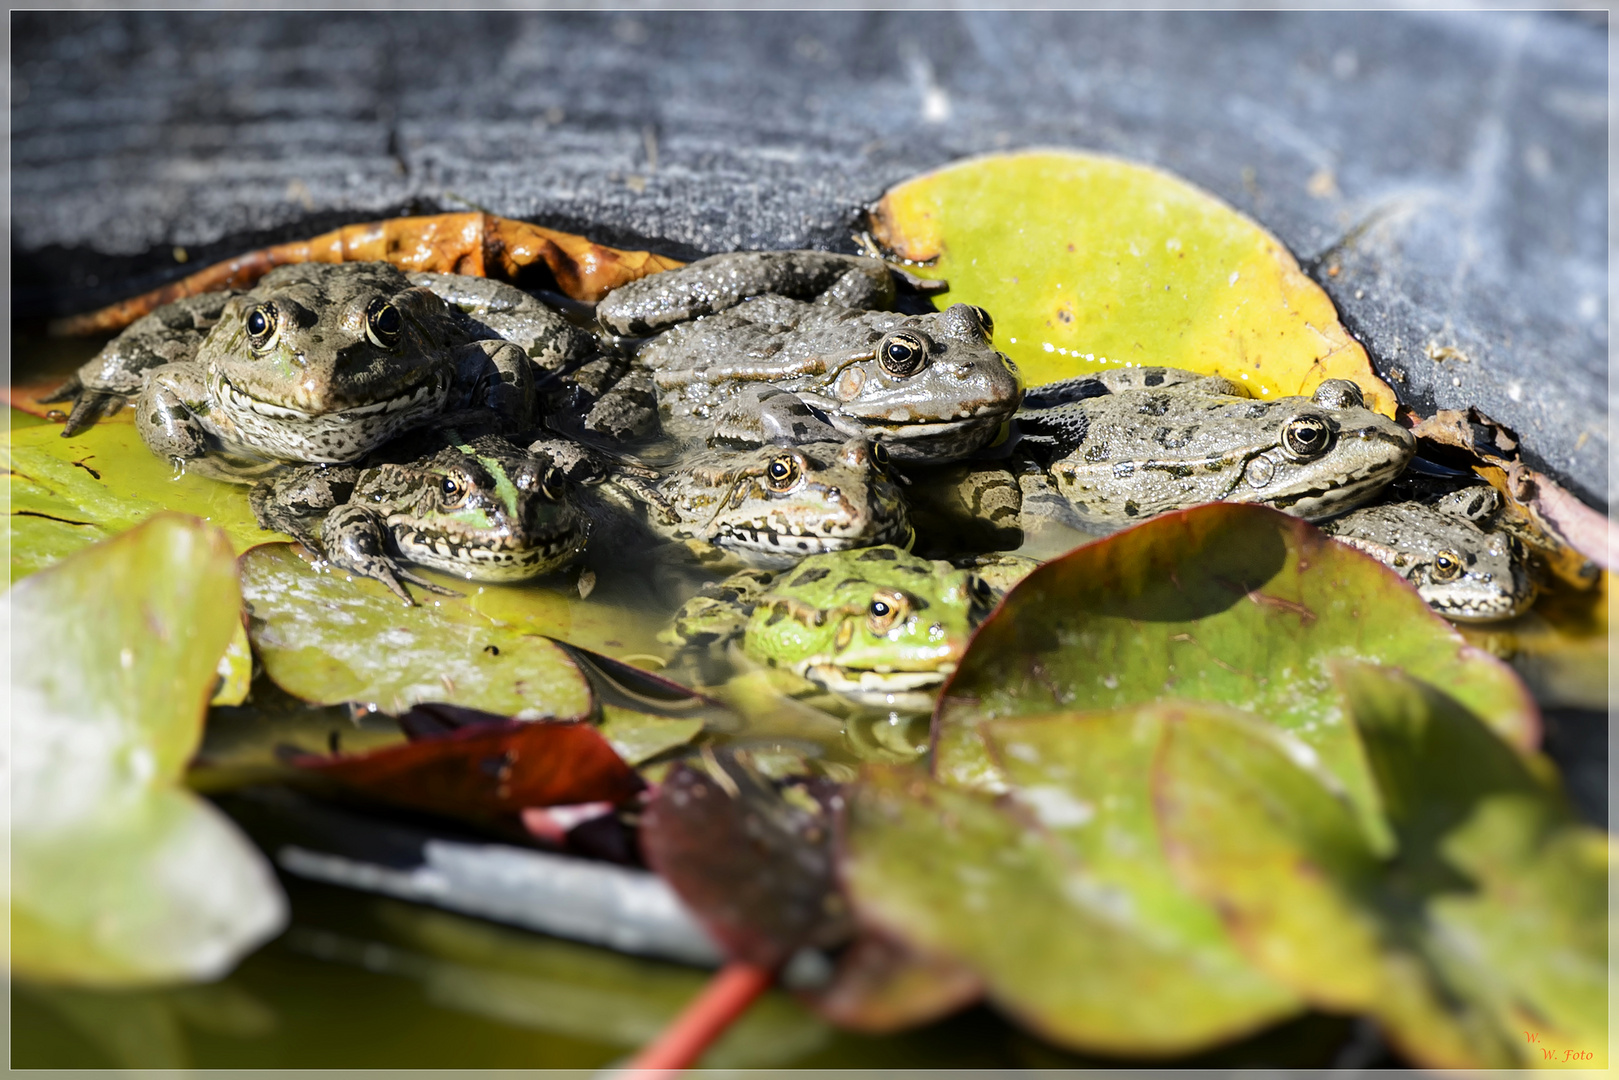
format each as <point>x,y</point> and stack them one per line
<point>1449,548</point>
<point>483,509</point>
<point>1126,445</point>
<point>730,328</point>
<point>769,506</point>
<point>878,627</point>
<point>324,363</point>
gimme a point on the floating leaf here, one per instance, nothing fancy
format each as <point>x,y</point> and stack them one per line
<point>1231,604</point>
<point>67,494</point>
<point>328,638</point>
<point>1089,262</point>
<point>235,670</point>
<point>1478,942</point>
<point>118,877</point>
<point>640,736</point>
<point>881,986</point>
<point>487,771</point>
<point>1061,901</point>
<point>754,863</point>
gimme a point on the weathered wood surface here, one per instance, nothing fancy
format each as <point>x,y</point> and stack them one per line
<point>1452,167</point>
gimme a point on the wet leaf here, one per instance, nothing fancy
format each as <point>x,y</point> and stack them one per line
<point>881,986</point>
<point>640,736</point>
<point>753,862</point>
<point>1088,261</point>
<point>1059,899</point>
<point>1485,925</point>
<point>235,670</point>
<point>67,494</point>
<point>477,244</point>
<point>118,877</point>
<point>1229,604</point>
<point>486,772</point>
<point>327,638</point>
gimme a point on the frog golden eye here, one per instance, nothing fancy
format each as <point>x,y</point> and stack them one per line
<point>261,326</point>
<point>985,321</point>
<point>783,473</point>
<point>902,354</point>
<point>1447,566</point>
<point>453,489</point>
<point>879,455</point>
<point>383,323</point>
<point>889,608</point>
<point>551,485</point>
<point>1306,437</point>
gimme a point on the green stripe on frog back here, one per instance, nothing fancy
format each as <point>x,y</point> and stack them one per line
<point>504,488</point>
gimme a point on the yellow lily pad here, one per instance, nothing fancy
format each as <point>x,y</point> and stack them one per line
<point>1088,262</point>
<point>67,494</point>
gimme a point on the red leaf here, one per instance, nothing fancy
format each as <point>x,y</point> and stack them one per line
<point>487,771</point>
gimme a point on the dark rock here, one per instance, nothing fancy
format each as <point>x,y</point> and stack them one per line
<point>1451,167</point>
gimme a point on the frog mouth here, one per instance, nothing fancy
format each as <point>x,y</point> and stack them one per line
<point>427,395</point>
<point>486,558</point>
<point>908,691</point>
<point>757,537</point>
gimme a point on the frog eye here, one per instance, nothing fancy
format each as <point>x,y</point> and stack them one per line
<point>452,489</point>
<point>1306,437</point>
<point>783,473</point>
<point>879,455</point>
<point>902,354</point>
<point>985,321</point>
<point>383,323</point>
<point>1447,566</point>
<point>262,324</point>
<point>551,485</point>
<point>889,608</point>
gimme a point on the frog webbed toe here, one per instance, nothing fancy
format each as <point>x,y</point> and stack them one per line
<point>89,404</point>
<point>353,540</point>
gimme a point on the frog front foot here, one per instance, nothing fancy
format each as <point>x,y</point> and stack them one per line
<point>353,540</point>
<point>166,416</point>
<point>89,405</point>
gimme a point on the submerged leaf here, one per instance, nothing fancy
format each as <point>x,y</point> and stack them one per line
<point>1089,262</point>
<point>1485,924</point>
<point>327,638</point>
<point>1231,604</point>
<point>119,878</point>
<point>67,494</point>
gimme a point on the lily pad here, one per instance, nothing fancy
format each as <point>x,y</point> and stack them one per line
<point>119,877</point>
<point>1089,262</point>
<point>1060,899</point>
<point>329,638</point>
<point>1480,941</point>
<point>67,494</point>
<point>1229,604</point>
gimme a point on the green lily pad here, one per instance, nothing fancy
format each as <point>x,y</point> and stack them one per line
<point>118,876</point>
<point>1060,900</point>
<point>1089,262</point>
<point>639,736</point>
<point>1229,604</point>
<point>1480,941</point>
<point>329,638</point>
<point>67,494</point>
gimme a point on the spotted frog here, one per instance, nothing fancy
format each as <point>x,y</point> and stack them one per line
<point>1124,446</point>
<point>878,627</point>
<point>769,506</point>
<point>1449,548</point>
<point>324,363</point>
<point>744,358</point>
<point>483,510</point>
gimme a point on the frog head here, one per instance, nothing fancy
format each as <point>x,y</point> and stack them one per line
<point>878,626</point>
<point>328,362</point>
<point>484,510</point>
<point>773,505</point>
<point>933,388</point>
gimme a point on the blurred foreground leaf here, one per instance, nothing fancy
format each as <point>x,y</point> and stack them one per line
<point>1485,925</point>
<point>118,877</point>
<point>327,638</point>
<point>67,494</point>
<point>1229,604</point>
<point>1088,262</point>
<point>1060,900</point>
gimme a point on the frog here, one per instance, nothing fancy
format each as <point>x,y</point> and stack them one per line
<point>1109,450</point>
<point>931,386</point>
<point>1450,548</point>
<point>878,627</point>
<point>479,508</point>
<point>323,363</point>
<point>768,506</point>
